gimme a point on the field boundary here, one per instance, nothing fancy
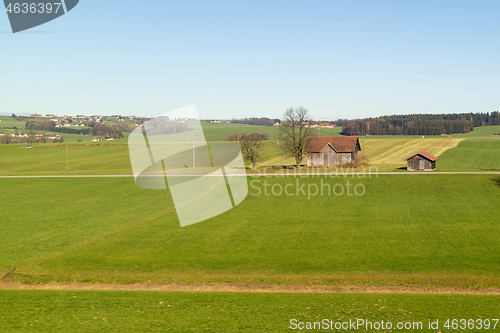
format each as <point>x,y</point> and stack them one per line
<point>208,287</point>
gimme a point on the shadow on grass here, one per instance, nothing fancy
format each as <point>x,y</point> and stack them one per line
<point>496,181</point>
<point>403,168</point>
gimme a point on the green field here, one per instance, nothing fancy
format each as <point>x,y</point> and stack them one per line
<point>220,131</point>
<point>50,159</point>
<point>477,155</point>
<point>390,154</point>
<point>93,311</point>
<point>102,158</point>
<point>480,132</point>
<point>327,131</point>
<point>8,121</point>
<point>455,154</point>
<point>411,230</point>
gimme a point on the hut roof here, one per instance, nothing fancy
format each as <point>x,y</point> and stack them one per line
<point>341,144</point>
<point>425,155</point>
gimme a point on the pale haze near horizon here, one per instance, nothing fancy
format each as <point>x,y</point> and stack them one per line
<point>339,59</point>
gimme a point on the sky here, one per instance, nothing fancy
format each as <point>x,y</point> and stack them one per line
<point>235,59</point>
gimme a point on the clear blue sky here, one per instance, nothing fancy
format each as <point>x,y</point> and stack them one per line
<point>347,59</point>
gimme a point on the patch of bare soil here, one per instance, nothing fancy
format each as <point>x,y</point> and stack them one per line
<point>246,288</point>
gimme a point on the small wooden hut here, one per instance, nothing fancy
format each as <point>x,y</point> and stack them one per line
<point>421,161</point>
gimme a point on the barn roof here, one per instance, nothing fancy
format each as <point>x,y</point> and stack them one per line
<point>425,155</point>
<point>342,144</point>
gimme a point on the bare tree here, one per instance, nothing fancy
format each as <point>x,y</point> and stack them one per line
<point>294,131</point>
<point>251,147</point>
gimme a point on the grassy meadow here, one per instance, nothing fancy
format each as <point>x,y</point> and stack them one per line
<point>434,230</point>
<point>50,159</point>
<point>391,154</point>
<point>480,132</point>
<point>127,311</point>
<point>478,155</point>
<point>8,121</point>
<point>220,131</point>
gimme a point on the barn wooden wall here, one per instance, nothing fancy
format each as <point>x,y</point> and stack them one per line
<point>419,163</point>
<point>329,158</point>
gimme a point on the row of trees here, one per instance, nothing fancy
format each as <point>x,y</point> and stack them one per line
<point>256,121</point>
<point>40,125</point>
<point>106,130</point>
<point>239,137</point>
<point>420,124</point>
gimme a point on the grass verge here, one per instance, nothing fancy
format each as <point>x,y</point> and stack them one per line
<point>98,311</point>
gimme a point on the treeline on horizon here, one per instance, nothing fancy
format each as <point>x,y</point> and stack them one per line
<point>256,121</point>
<point>419,124</point>
<point>413,124</point>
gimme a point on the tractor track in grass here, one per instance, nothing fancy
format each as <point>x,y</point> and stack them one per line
<point>208,287</point>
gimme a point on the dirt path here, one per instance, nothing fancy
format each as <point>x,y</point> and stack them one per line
<point>9,285</point>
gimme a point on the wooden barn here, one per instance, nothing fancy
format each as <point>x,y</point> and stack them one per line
<point>421,161</point>
<point>328,151</point>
